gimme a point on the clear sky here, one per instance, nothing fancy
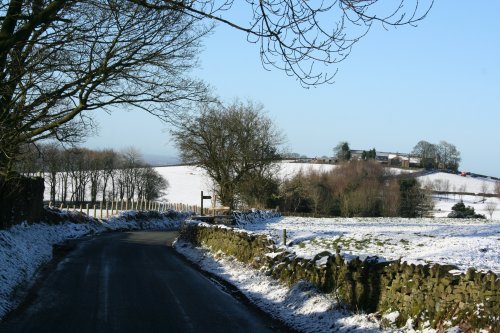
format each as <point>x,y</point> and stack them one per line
<point>438,81</point>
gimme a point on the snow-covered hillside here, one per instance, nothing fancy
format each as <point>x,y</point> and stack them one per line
<point>457,183</point>
<point>186,182</point>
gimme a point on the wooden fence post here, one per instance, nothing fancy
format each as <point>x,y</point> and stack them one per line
<point>81,208</point>
<point>101,209</point>
<point>107,209</point>
<point>95,211</point>
<point>87,209</point>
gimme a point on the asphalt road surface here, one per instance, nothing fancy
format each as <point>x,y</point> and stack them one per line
<point>132,282</point>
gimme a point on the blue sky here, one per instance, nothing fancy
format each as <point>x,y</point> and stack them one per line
<point>438,81</point>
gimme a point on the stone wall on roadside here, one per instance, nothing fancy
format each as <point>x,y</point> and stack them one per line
<point>21,199</point>
<point>429,295</point>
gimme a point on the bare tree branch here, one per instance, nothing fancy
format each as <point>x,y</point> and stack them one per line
<point>64,58</point>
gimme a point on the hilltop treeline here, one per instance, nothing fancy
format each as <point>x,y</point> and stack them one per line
<point>84,175</point>
<point>355,188</point>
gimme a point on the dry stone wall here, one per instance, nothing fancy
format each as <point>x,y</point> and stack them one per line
<point>429,295</point>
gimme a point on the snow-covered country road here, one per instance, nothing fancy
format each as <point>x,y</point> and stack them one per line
<point>132,282</point>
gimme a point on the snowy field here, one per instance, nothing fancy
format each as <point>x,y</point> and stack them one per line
<point>464,243</point>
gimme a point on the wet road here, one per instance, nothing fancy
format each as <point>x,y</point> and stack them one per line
<point>132,282</point>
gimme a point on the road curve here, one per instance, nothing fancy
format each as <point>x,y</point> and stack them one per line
<point>132,282</point>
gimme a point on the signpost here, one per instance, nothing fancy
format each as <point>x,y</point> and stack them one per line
<point>203,197</point>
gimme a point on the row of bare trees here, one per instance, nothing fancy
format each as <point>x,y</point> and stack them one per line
<point>442,156</point>
<point>84,175</point>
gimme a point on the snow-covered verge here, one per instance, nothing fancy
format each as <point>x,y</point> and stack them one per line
<point>24,248</point>
<point>301,305</point>
<point>463,243</point>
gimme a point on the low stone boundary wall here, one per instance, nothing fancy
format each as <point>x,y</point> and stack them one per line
<point>429,295</point>
<point>249,217</point>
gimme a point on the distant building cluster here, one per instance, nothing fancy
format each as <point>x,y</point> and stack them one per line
<point>388,158</point>
<point>394,159</point>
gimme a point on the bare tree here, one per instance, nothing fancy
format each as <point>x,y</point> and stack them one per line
<point>30,161</point>
<point>490,208</point>
<point>52,164</point>
<point>445,186</point>
<point>438,185</point>
<point>110,164</point>
<point>448,156</point>
<point>128,179</point>
<point>303,38</point>
<point>342,151</point>
<point>78,173</point>
<point>152,185</point>
<point>230,143</point>
<point>484,189</point>
<point>427,152</point>
<point>461,191</point>
<point>60,59</point>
